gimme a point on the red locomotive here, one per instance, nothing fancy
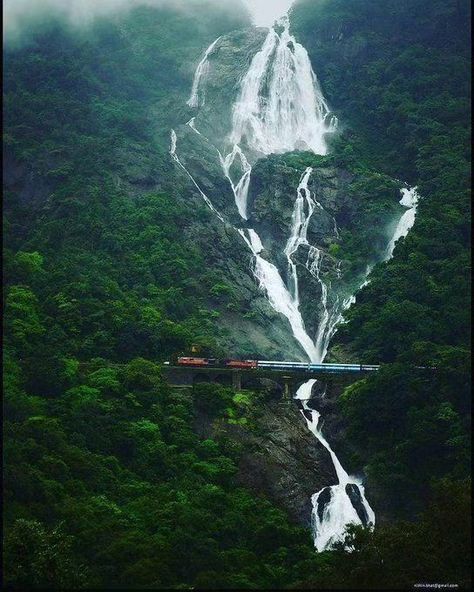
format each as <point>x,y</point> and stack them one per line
<point>240,363</point>
<point>197,362</point>
<point>186,361</point>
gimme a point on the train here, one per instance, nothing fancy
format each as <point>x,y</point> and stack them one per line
<point>274,365</point>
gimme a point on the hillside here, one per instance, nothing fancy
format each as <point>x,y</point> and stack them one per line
<point>399,76</point>
<point>125,246</point>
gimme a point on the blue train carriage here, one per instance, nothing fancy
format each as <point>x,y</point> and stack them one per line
<point>282,365</point>
<point>321,367</point>
<point>328,367</point>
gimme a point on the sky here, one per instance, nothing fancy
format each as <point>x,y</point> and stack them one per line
<point>265,12</point>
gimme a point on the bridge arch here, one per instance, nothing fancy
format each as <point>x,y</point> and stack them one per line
<point>201,377</point>
<point>225,379</point>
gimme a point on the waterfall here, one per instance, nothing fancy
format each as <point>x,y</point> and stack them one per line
<point>410,201</point>
<point>277,293</point>
<point>332,514</point>
<point>280,108</point>
<point>329,519</point>
<point>200,74</point>
<point>240,189</point>
<point>333,506</point>
<point>265,272</point>
<point>345,502</point>
<point>299,228</point>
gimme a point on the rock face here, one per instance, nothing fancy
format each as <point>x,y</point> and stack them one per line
<point>30,191</point>
<point>286,462</point>
<point>282,459</point>
<point>323,499</point>
<point>354,495</point>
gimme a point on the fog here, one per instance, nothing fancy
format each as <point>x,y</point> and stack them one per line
<point>20,15</point>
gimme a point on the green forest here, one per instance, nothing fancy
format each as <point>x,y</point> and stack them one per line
<point>108,482</point>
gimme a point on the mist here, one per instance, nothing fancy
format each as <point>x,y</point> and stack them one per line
<point>20,17</point>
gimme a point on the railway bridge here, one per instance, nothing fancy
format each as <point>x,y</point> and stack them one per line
<point>289,375</point>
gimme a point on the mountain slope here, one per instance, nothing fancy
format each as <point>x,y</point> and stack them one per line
<point>398,75</point>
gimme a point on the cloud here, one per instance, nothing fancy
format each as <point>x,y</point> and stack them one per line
<point>20,15</point>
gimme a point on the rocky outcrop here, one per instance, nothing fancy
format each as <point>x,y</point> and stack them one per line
<point>286,461</point>
<point>281,458</point>
<point>323,499</point>
<point>350,224</point>
<point>354,495</point>
<point>228,63</point>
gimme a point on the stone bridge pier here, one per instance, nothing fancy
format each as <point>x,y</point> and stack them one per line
<point>237,380</point>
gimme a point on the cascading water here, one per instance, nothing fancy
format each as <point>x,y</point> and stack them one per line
<point>410,201</point>
<point>336,506</point>
<point>277,293</point>
<point>339,505</point>
<point>289,111</point>
<point>345,502</point>
<point>299,229</point>
<point>240,189</point>
<point>200,74</point>
<point>280,108</point>
<point>286,113</point>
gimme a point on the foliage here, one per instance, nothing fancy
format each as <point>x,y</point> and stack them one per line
<point>109,482</point>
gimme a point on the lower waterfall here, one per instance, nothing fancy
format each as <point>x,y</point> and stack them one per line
<point>335,506</point>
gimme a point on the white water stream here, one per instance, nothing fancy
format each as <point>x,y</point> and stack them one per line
<point>410,201</point>
<point>199,76</point>
<point>281,108</point>
<point>175,157</point>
